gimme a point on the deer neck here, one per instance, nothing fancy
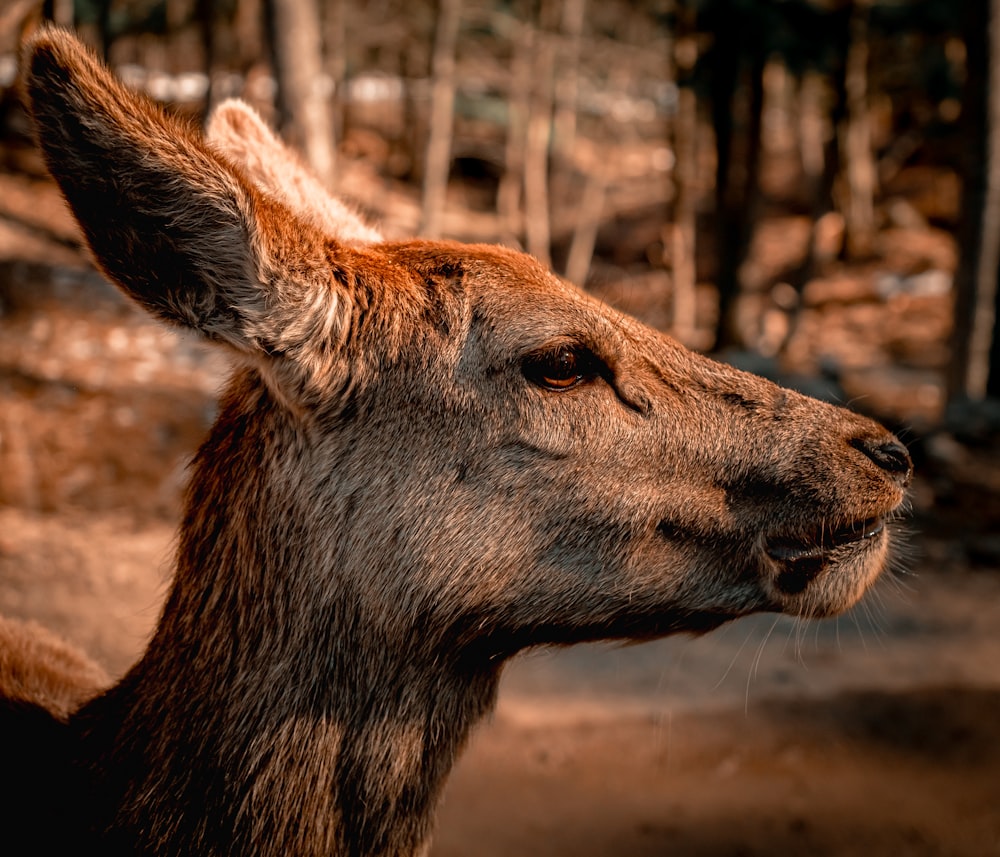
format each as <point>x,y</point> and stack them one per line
<point>264,721</point>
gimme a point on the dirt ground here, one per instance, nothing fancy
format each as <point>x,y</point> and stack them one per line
<point>873,734</point>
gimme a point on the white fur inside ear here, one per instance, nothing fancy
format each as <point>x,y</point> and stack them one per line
<point>240,134</point>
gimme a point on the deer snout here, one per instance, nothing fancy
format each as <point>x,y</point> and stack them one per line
<point>890,455</point>
<point>822,557</point>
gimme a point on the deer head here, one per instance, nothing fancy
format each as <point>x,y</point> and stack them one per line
<point>431,456</point>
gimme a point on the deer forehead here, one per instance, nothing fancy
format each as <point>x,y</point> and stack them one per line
<point>516,305</point>
<point>477,296</point>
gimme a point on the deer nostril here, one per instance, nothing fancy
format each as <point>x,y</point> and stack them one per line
<point>890,455</point>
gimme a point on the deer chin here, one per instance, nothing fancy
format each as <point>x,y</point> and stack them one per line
<point>825,572</point>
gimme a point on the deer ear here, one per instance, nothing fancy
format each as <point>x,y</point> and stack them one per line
<point>237,131</point>
<point>175,225</point>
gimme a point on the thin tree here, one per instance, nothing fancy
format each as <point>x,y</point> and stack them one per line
<point>20,17</point>
<point>518,109</point>
<point>63,13</point>
<point>536,156</point>
<point>859,162</point>
<point>218,41</point>
<point>738,51</point>
<point>438,160</point>
<point>303,100</point>
<point>567,83</point>
<point>968,375</point>
<point>680,236</point>
<point>820,152</point>
<point>335,54</point>
<point>581,248</point>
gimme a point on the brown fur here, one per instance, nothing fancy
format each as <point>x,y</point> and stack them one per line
<point>394,500</point>
<point>37,666</point>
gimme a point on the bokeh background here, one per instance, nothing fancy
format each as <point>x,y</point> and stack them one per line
<point>810,190</point>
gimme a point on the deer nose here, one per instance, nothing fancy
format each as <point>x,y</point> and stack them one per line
<point>890,455</point>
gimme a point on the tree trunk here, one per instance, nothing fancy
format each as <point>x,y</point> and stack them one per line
<point>218,42</point>
<point>303,101</point>
<point>567,82</point>
<point>993,361</point>
<point>63,13</point>
<point>204,12</point>
<point>518,110</point>
<point>105,36</point>
<point>536,155</point>
<point>979,262</point>
<point>581,248</point>
<point>438,160</point>
<point>335,54</point>
<point>811,129</point>
<point>859,177</point>
<point>821,153</point>
<point>248,34</point>
<point>682,231</point>
<point>724,64</point>
<point>736,188</point>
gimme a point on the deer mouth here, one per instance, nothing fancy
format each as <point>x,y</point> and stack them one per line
<point>802,559</point>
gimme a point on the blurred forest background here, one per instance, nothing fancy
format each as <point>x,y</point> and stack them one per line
<point>802,185</point>
<point>809,189</point>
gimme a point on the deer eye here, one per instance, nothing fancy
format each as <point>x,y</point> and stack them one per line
<point>560,368</point>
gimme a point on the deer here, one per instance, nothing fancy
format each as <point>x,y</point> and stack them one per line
<point>430,457</point>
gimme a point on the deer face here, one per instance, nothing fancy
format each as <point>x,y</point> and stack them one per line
<point>467,444</point>
<point>572,474</point>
